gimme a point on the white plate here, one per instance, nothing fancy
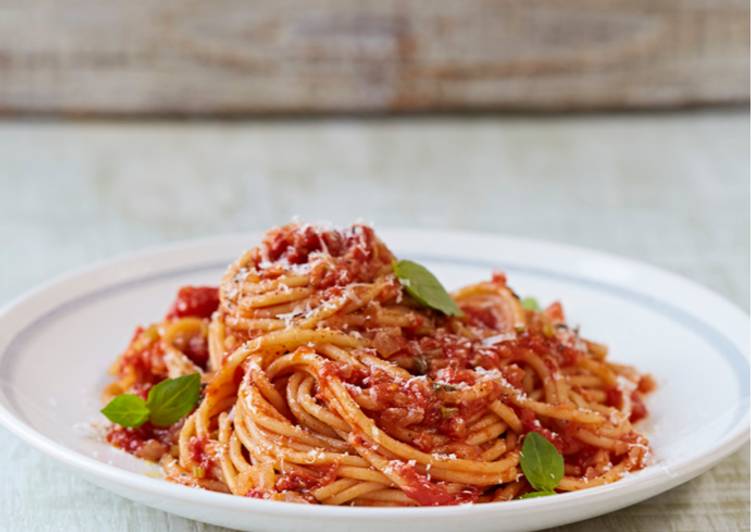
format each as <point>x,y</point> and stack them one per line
<point>57,342</point>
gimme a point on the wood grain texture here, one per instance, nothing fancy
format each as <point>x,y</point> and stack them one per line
<point>670,189</point>
<point>228,57</point>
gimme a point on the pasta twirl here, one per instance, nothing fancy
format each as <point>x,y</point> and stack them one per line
<point>325,382</point>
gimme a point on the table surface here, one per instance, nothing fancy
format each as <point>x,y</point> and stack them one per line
<point>670,189</point>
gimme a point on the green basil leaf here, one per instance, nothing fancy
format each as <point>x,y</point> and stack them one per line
<point>530,303</point>
<point>534,494</point>
<point>172,399</point>
<point>127,410</point>
<point>425,288</point>
<point>541,462</point>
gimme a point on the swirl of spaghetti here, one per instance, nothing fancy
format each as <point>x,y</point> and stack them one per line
<point>326,383</point>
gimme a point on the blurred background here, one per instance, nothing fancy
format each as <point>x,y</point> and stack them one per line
<point>621,125</point>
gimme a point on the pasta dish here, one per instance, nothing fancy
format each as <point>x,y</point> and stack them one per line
<point>324,370</point>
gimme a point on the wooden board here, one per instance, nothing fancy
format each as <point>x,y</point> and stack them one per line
<point>227,57</point>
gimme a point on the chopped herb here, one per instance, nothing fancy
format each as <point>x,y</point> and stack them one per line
<point>448,411</point>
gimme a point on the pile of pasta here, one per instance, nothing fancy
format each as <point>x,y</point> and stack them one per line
<point>324,381</point>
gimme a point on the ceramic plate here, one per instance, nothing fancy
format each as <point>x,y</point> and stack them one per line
<point>57,342</point>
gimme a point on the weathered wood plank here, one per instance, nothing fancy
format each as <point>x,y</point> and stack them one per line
<point>238,56</point>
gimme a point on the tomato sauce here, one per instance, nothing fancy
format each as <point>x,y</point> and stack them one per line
<point>427,493</point>
<point>199,454</point>
<point>554,311</point>
<point>143,358</point>
<point>530,423</point>
<point>614,398</point>
<point>306,480</point>
<point>514,375</point>
<point>356,253</point>
<point>194,301</point>
<point>195,347</point>
<point>481,316</point>
<point>147,441</point>
<point>142,363</point>
<point>638,408</point>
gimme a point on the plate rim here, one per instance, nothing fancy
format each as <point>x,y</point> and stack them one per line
<point>736,435</point>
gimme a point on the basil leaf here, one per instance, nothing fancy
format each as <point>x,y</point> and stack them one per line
<point>541,462</point>
<point>534,494</point>
<point>425,288</point>
<point>172,399</point>
<point>530,303</point>
<point>127,410</point>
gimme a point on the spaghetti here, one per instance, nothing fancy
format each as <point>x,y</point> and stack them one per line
<point>325,382</point>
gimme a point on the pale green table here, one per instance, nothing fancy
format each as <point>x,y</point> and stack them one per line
<point>669,189</point>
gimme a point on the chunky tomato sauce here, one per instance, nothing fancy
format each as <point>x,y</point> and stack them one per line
<point>195,347</point>
<point>638,408</point>
<point>199,454</point>
<point>143,359</point>
<point>428,493</point>
<point>194,301</point>
<point>417,404</point>
<point>142,363</point>
<point>482,316</point>
<point>614,398</point>
<point>357,254</point>
<point>147,441</point>
<point>306,480</point>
